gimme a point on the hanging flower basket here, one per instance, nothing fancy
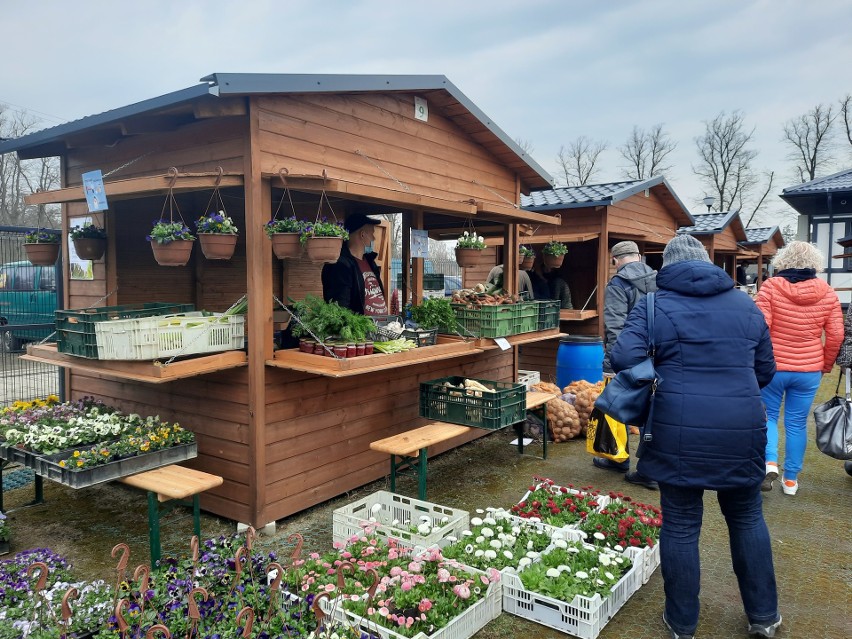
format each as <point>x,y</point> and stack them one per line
<point>217,246</point>
<point>286,245</point>
<point>466,257</point>
<point>89,248</point>
<point>553,254</point>
<point>553,261</point>
<point>174,253</point>
<point>323,249</point>
<point>41,254</point>
<point>527,262</point>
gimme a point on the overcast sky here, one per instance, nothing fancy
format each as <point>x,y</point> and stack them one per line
<point>546,71</point>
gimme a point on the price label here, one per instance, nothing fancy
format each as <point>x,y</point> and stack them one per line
<point>421,109</point>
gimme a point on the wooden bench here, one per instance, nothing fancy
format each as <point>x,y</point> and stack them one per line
<point>171,486</point>
<point>403,445</point>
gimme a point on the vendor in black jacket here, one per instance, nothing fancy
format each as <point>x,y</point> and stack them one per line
<point>353,280</point>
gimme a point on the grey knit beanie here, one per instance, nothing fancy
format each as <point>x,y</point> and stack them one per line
<point>683,248</point>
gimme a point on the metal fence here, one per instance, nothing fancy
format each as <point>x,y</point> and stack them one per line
<point>449,268</point>
<point>29,295</point>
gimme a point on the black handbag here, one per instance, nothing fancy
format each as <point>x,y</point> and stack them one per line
<point>629,397</point>
<point>834,423</point>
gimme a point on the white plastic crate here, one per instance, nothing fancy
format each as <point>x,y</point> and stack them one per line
<point>528,378</point>
<point>162,336</point>
<point>463,626</point>
<point>651,560</point>
<point>583,617</point>
<point>385,507</point>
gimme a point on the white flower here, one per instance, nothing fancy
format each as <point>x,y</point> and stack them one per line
<point>525,561</point>
<point>530,544</point>
<point>468,549</point>
<point>507,554</point>
<point>480,539</point>
<point>445,520</point>
<point>487,532</point>
<point>478,510</point>
<point>465,234</point>
<point>599,582</point>
<point>560,543</point>
<point>605,560</point>
<point>619,560</point>
<point>573,549</point>
<point>451,539</point>
<point>516,530</point>
<point>467,533</point>
<point>600,535</point>
<point>581,575</point>
<point>475,521</point>
<point>479,553</point>
<point>376,509</point>
<point>424,529</point>
<point>510,540</point>
<point>510,569</point>
<point>490,521</point>
<point>618,548</point>
<point>609,576</point>
<point>496,543</point>
<point>490,554</point>
<point>552,572</point>
<point>558,534</point>
<point>532,554</point>
<point>481,239</point>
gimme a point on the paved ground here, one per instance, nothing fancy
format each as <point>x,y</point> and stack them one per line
<point>811,538</point>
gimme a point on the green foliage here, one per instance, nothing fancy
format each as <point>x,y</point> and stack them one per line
<point>88,232</point>
<point>435,312</point>
<point>285,225</point>
<point>329,319</point>
<point>526,251</point>
<point>216,222</point>
<point>555,248</point>
<point>323,228</point>
<point>164,232</point>
<point>471,240</point>
<point>41,236</point>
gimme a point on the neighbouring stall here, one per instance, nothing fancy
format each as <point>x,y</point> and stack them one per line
<point>286,429</point>
<point>722,235</point>
<point>760,246</point>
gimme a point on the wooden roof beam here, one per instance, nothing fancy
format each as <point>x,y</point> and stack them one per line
<point>219,108</point>
<point>155,124</point>
<point>97,137</point>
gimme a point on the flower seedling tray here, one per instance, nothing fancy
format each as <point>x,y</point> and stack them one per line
<point>463,626</point>
<point>603,502</point>
<point>507,405</point>
<point>75,329</point>
<point>17,455</point>
<point>487,321</point>
<point>583,617</point>
<point>548,314</point>
<point>386,507</point>
<point>164,336</point>
<point>49,467</point>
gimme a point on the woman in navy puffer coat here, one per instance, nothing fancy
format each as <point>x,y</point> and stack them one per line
<point>709,427</point>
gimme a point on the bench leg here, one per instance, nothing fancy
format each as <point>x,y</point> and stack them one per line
<point>405,462</point>
<point>546,435</point>
<point>154,528</point>
<point>421,475</point>
<point>393,473</point>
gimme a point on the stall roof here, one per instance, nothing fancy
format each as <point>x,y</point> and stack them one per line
<point>574,197</point>
<point>710,223</point>
<point>763,235</point>
<point>437,88</point>
<point>811,197</point>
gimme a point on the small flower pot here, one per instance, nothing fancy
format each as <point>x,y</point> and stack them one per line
<point>553,261</point>
<point>468,257</point>
<point>527,263</point>
<point>175,253</point>
<point>324,249</point>
<point>218,246</point>
<point>90,248</point>
<point>286,245</point>
<point>42,254</point>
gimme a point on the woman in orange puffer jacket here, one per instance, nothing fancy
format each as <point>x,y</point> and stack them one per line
<point>799,308</point>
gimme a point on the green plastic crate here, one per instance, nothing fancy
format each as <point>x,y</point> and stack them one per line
<point>507,405</point>
<point>526,318</point>
<point>75,329</point>
<point>548,314</point>
<point>486,321</point>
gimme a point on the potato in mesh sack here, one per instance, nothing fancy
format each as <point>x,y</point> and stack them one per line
<point>546,387</point>
<point>562,418</point>
<point>586,393</point>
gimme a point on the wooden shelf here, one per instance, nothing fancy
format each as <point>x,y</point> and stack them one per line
<point>576,316</point>
<point>147,371</point>
<point>446,348</point>
<point>488,343</point>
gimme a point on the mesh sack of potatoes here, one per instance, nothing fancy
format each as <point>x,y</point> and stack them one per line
<point>562,418</point>
<point>585,395</point>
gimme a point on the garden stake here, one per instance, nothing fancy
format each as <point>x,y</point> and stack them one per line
<point>238,568</point>
<point>119,617</point>
<point>72,593</point>
<point>42,575</point>
<point>246,612</point>
<point>158,627</point>
<point>341,569</point>
<point>318,612</point>
<point>297,539</point>
<point>251,533</point>
<point>274,586</point>
<point>194,615</point>
<point>193,545</point>
<point>122,565</point>
<point>144,571</point>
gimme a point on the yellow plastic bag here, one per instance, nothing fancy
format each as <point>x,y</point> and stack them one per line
<point>606,437</point>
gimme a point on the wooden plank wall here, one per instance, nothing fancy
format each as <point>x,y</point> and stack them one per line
<point>642,219</point>
<point>312,133</point>
<point>319,429</point>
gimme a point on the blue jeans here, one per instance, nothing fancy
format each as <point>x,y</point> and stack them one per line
<point>800,389</point>
<point>751,553</point>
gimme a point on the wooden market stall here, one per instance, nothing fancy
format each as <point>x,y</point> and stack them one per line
<point>760,246</point>
<point>284,432</point>
<point>721,234</point>
<point>593,219</point>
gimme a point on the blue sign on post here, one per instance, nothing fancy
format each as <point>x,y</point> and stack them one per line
<point>93,187</point>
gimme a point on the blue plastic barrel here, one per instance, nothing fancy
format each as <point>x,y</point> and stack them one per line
<point>579,357</point>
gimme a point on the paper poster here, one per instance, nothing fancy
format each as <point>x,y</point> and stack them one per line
<point>80,269</point>
<point>419,243</point>
<point>93,187</point>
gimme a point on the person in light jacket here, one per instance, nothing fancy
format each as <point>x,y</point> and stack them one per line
<point>806,325</point>
<point>708,432</point>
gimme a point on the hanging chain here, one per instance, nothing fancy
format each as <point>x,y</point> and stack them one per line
<point>380,168</point>
<point>488,188</point>
<point>293,316</point>
<point>92,305</point>
<point>126,164</point>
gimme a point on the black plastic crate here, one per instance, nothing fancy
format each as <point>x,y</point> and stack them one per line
<point>75,329</point>
<point>548,314</point>
<point>423,338</point>
<point>446,400</point>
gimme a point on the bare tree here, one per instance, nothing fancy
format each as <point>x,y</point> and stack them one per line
<point>725,165</point>
<point>646,152</point>
<point>846,113</point>
<point>809,135</point>
<point>577,163</point>
<point>19,178</point>
<point>526,145</point>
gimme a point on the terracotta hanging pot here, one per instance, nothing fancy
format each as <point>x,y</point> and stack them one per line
<point>90,248</point>
<point>175,253</point>
<point>527,262</point>
<point>42,254</point>
<point>324,249</point>
<point>553,261</point>
<point>468,257</point>
<point>286,245</point>
<point>218,246</point>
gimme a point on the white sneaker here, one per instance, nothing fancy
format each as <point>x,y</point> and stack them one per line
<point>790,487</point>
<point>771,476</point>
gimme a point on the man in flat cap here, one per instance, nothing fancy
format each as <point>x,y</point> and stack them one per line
<point>632,281</point>
<point>353,280</point>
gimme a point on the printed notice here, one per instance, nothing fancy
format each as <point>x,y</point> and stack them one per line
<point>93,187</point>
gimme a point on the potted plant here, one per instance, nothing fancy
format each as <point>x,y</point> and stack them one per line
<point>5,534</point>
<point>286,236</point>
<point>89,241</point>
<point>217,234</point>
<point>469,249</point>
<point>527,258</point>
<point>171,243</point>
<point>42,247</point>
<point>323,240</point>
<point>553,254</point>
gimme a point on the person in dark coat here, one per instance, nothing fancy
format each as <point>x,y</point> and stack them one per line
<point>713,354</point>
